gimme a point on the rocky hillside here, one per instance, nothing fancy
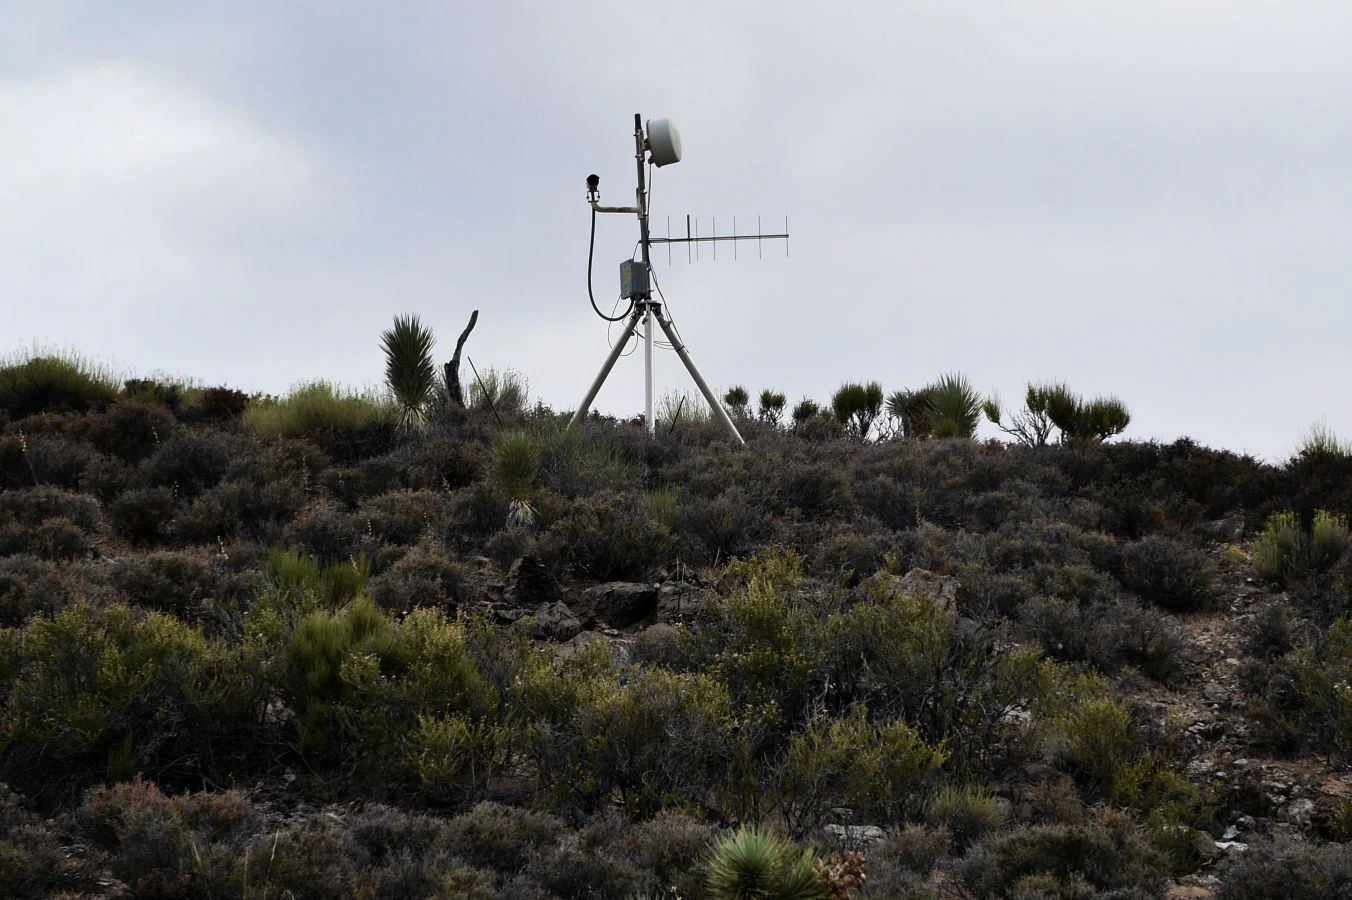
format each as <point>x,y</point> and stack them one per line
<point>261,647</point>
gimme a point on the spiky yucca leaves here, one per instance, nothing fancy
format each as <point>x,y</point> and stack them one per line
<point>856,406</point>
<point>954,407</point>
<point>516,456</point>
<point>409,371</point>
<point>751,864</point>
<point>912,410</point>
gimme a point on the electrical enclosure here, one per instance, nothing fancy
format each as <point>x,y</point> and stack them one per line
<point>633,280</point>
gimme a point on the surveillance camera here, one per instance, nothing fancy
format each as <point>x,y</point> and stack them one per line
<point>593,182</point>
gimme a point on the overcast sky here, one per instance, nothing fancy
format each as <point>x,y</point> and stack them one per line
<point>1149,199</point>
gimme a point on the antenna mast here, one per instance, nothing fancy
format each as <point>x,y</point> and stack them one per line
<point>663,142</point>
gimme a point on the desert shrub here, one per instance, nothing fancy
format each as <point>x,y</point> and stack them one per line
<point>849,555</point>
<point>129,431</point>
<point>1062,859</point>
<point>501,838</point>
<point>1165,572</point>
<point>611,537</point>
<point>1286,552</point>
<point>582,864</point>
<point>651,737</point>
<point>30,508</point>
<point>326,533</point>
<point>54,538</point>
<point>873,768</point>
<point>54,383</point>
<point>1107,634</point>
<point>1269,633</point>
<point>505,392</point>
<point>720,528</point>
<point>916,849</point>
<point>437,462</point>
<point>477,512</point>
<point>216,404</point>
<point>193,460</point>
<point>965,811</point>
<point>425,576</point>
<point>168,846</point>
<point>1323,679</point>
<point>312,409</point>
<point>173,582</point>
<point>856,406</point>
<point>240,508</point>
<point>750,862</point>
<point>142,515</point>
<point>403,517</point>
<point>107,478</point>
<point>30,586</point>
<point>815,490</point>
<point>33,860</point>
<point>895,503</point>
<point>112,693</point>
<point>1288,868</point>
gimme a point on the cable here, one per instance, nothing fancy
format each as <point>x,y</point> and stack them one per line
<point>591,250</point>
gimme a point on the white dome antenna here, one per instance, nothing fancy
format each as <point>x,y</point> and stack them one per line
<point>664,142</point>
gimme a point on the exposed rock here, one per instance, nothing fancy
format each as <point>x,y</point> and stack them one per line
<point>619,604</point>
<point>854,837</point>
<point>942,589</point>
<point>1297,812</point>
<point>578,643</point>
<point>554,622</point>
<point>1228,529</point>
<point>530,584</point>
<point>676,600</point>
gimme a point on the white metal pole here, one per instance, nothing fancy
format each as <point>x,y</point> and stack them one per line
<point>714,405</point>
<point>648,371</point>
<point>605,369</point>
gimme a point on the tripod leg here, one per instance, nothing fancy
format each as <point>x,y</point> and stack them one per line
<point>714,405</point>
<point>605,369</point>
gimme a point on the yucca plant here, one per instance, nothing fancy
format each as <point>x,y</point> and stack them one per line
<point>752,864</point>
<point>409,370</point>
<point>517,464</point>
<point>954,407</point>
<point>912,410</point>
<point>736,399</point>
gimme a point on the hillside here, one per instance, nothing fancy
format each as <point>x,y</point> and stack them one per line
<point>292,647</point>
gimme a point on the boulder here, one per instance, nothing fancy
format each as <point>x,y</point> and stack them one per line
<point>530,584</point>
<point>619,604</point>
<point>854,837</point>
<point>553,622</point>
<point>579,642</point>
<point>942,589</point>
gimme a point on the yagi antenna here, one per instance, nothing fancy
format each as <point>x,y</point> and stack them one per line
<point>661,147</point>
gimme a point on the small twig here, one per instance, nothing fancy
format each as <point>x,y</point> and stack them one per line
<point>487,396</point>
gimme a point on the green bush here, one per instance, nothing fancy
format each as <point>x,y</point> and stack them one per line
<point>142,515</point>
<point>1323,680</point>
<point>54,383</point>
<point>856,406</point>
<point>1286,552</point>
<point>505,392</point>
<point>966,811</point>
<point>314,407</point>
<point>112,692</point>
<point>750,864</point>
<point>875,769</point>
